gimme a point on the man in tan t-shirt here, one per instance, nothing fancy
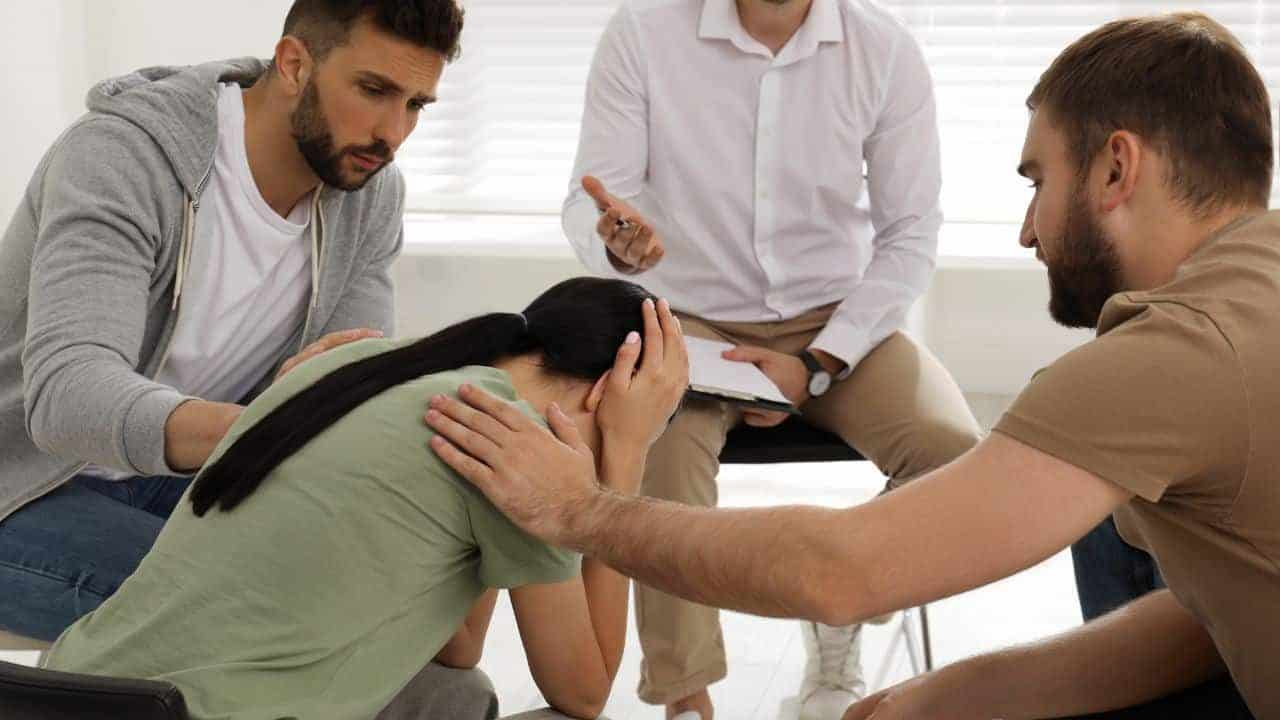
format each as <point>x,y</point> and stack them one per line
<point>1150,151</point>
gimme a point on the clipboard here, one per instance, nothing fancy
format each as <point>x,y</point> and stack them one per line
<point>711,376</point>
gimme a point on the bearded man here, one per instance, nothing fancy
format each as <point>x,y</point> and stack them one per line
<point>198,232</point>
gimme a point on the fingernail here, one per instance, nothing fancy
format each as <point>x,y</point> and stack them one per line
<point>633,337</point>
<point>464,388</point>
<point>433,415</point>
<point>648,301</point>
<point>553,407</point>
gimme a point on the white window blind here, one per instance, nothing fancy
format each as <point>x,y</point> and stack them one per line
<point>503,137</point>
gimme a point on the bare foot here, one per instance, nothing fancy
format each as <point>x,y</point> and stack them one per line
<point>699,702</point>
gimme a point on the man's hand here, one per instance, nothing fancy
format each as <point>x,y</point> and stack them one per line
<point>539,479</point>
<point>786,371</point>
<point>924,697</point>
<point>534,477</point>
<point>324,344</point>
<point>633,248</point>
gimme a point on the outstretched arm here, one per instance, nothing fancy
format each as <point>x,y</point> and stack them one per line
<point>1148,649</point>
<point>998,509</point>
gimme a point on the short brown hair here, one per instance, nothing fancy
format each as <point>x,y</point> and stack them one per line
<point>1182,82</point>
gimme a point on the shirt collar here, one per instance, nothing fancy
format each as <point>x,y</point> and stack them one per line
<point>720,21</point>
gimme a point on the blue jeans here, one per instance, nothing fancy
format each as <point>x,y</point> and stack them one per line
<point>65,553</point>
<point>1110,572</point>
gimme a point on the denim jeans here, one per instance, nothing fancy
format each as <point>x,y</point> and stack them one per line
<point>1214,700</point>
<point>62,555</point>
<point>1110,572</point>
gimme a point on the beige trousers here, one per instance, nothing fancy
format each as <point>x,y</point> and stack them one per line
<point>900,409</point>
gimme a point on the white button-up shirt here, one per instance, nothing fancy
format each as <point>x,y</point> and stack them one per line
<point>779,183</point>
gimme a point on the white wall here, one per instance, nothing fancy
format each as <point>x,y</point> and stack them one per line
<point>52,51</point>
<point>131,34</point>
<point>42,85</point>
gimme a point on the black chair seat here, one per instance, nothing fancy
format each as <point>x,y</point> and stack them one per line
<point>792,441</point>
<point>32,694</point>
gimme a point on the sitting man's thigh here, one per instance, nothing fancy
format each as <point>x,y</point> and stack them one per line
<point>63,554</point>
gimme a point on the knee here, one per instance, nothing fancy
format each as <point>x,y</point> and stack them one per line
<point>931,445</point>
<point>438,691</point>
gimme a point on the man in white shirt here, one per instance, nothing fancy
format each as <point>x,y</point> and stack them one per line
<point>726,147</point>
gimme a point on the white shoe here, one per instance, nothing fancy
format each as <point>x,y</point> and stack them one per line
<point>833,672</point>
<point>688,715</point>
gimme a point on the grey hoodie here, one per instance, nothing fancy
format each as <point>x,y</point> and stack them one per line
<point>92,267</point>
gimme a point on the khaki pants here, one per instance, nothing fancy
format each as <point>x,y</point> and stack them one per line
<point>900,409</point>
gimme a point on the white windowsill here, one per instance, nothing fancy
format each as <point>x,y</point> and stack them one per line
<point>961,246</point>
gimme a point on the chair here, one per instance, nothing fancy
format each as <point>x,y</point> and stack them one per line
<point>34,694</point>
<point>797,441</point>
<point>17,643</point>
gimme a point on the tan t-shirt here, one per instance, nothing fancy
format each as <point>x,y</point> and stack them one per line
<point>1178,401</point>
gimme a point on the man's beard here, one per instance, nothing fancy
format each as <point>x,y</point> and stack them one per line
<point>1085,272</point>
<point>315,142</point>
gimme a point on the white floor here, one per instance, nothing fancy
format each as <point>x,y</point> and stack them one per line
<point>766,657</point>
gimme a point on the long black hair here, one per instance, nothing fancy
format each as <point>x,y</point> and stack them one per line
<point>577,326</point>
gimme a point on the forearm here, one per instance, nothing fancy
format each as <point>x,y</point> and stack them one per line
<point>621,469</point>
<point>466,646</point>
<point>194,429</point>
<point>1149,649</point>
<point>759,561</point>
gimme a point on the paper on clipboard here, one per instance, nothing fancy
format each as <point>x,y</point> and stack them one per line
<point>711,374</point>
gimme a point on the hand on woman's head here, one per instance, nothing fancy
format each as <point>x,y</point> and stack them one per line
<point>635,406</point>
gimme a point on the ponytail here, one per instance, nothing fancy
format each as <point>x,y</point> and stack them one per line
<point>284,430</point>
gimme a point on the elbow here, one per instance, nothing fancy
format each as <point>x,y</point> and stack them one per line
<point>832,610</point>
<point>460,658</point>
<point>40,427</point>
<point>583,708</point>
<point>843,597</point>
<point>586,700</point>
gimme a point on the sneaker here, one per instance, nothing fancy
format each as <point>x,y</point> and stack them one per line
<point>833,672</point>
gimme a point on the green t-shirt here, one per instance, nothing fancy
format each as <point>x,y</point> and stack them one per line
<point>325,591</point>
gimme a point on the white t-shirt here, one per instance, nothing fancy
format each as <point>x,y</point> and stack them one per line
<point>246,292</point>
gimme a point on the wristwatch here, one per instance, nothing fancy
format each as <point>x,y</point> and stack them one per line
<point>819,378</point>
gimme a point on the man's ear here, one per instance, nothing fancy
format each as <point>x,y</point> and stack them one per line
<point>1123,157</point>
<point>597,393</point>
<point>294,64</point>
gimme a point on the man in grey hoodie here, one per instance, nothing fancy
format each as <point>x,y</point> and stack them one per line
<point>200,231</point>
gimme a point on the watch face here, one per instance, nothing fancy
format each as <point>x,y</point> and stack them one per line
<point>819,384</point>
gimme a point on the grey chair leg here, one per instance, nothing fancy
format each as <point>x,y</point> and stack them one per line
<point>918,647</point>
<point>928,641</point>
